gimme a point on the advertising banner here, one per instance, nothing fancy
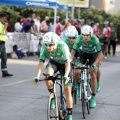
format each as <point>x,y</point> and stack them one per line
<point>78,3</point>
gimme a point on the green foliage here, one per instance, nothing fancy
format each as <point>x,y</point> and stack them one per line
<point>93,14</point>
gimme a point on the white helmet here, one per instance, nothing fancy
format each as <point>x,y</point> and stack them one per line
<point>86,29</point>
<point>72,32</point>
<point>51,37</point>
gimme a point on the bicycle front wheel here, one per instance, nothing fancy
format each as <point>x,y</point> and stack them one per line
<point>83,101</point>
<point>62,109</point>
<point>74,92</point>
<point>52,111</point>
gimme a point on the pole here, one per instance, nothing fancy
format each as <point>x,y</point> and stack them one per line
<point>78,12</point>
<point>55,14</point>
<point>73,8</point>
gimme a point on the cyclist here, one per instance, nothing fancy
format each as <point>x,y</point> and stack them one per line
<point>90,48</point>
<point>70,39</point>
<point>59,59</point>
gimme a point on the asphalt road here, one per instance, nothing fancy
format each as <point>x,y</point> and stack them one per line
<point>21,100</point>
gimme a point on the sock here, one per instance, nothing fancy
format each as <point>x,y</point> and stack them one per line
<point>105,54</point>
<point>69,111</point>
<point>93,94</point>
<point>50,90</point>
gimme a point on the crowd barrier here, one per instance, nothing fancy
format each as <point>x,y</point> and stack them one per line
<point>25,41</point>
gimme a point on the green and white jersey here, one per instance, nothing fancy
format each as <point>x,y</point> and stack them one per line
<point>61,55</point>
<point>92,46</point>
<point>67,41</point>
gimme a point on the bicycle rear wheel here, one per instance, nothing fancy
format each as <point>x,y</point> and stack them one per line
<point>52,114</point>
<point>83,100</point>
<point>74,93</point>
<point>62,109</point>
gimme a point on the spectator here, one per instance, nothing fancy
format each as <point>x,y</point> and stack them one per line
<point>64,31</point>
<point>106,33</point>
<point>33,27</point>
<point>77,25</point>
<point>43,26</point>
<point>18,26</point>
<point>24,21</point>
<point>49,24</point>
<point>95,28</point>
<point>59,27</point>
<point>113,39</point>
<point>27,26</point>
<point>3,26</point>
<point>37,23</point>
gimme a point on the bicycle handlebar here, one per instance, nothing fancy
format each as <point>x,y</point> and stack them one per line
<point>48,77</point>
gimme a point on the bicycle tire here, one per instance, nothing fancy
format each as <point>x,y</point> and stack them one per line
<point>83,101</point>
<point>49,111</point>
<point>88,102</point>
<point>62,109</point>
<point>74,95</point>
<point>88,106</point>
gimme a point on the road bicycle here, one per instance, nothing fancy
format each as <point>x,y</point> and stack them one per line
<point>74,85</point>
<point>59,113</point>
<point>85,88</point>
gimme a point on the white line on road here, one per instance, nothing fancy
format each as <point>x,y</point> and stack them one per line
<point>9,84</point>
<point>22,81</point>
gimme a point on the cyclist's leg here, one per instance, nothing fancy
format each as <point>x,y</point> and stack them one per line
<point>93,81</point>
<point>98,80</point>
<point>50,69</point>
<point>69,100</point>
<point>68,94</point>
<point>81,58</point>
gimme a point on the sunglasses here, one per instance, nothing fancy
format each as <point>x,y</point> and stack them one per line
<point>72,37</point>
<point>86,35</point>
<point>49,45</point>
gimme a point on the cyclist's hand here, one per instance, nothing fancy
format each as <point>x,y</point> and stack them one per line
<point>66,79</point>
<point>35,80</point>
<point>94,67</point>
<point>79,64</point>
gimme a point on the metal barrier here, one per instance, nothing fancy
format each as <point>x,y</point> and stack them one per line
<point>25,41</point>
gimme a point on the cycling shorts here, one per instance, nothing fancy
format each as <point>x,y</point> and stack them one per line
<point>106,43</point>
<point>82,57</point>
<point>54,66</point>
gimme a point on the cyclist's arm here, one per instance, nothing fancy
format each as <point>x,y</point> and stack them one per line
<point>100,54</point>
<point>67,59</point>
<point>40,66</point>
<point>99,58</point>
<point>67,68</point>
<point>72,54</point>
<point>76,46</point>
<point>42,60</point>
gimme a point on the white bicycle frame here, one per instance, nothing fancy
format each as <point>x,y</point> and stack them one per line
<point>84,81</point>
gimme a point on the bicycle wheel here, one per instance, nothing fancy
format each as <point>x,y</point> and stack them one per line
<point>88,106</point>
<point>83,101</point>
<point>89,97</point>
<point>52,114</point>
<point>62,109</point>
<point>74,93</point>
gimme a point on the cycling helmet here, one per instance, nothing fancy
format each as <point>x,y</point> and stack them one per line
<point>86,29</point>
<point>72,32</point>
<point>106,22</point>
<point>51,37</point>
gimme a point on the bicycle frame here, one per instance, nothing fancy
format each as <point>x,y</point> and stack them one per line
<point>84,82</point>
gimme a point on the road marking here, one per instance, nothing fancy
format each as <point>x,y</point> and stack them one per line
<point>22,81</point>
<point>9,84</point>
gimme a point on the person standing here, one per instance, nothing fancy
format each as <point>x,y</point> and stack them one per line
<point>106,33</point>
<point>3,26</point>
<point>113,38</point>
